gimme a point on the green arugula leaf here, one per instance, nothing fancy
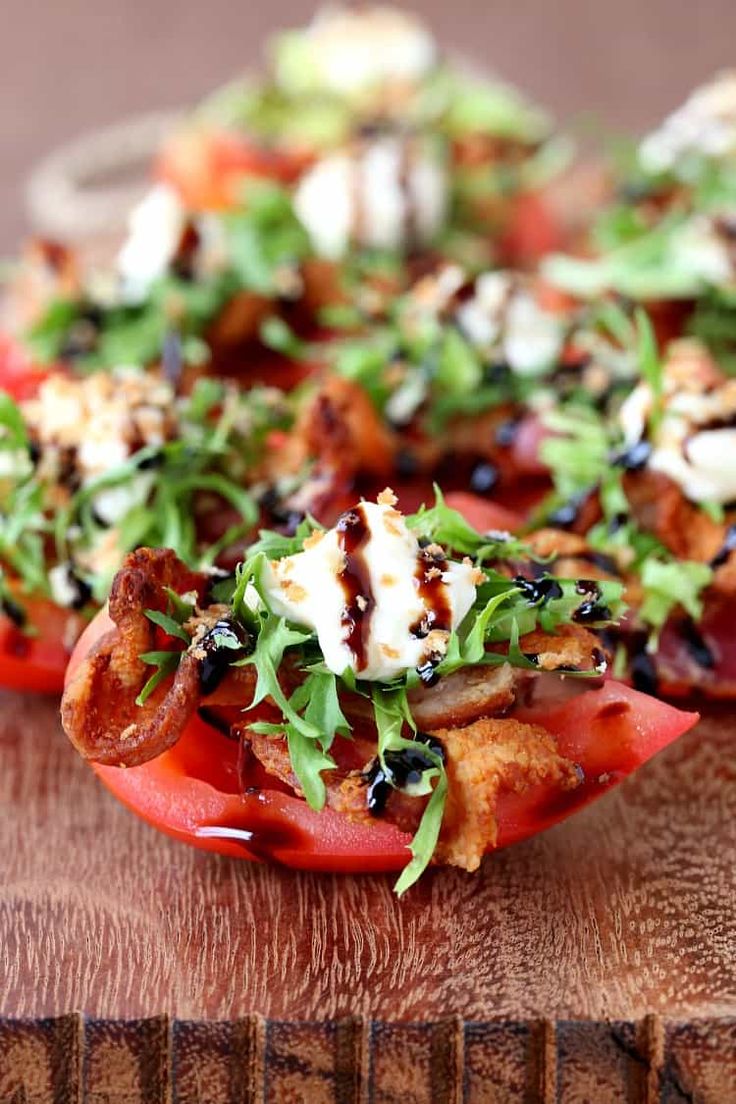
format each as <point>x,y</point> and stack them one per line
<point>668,585</point>
<point>165,663</point>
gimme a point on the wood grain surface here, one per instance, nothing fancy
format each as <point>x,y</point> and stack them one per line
<point>624,911</point>
<point>352,1061</point>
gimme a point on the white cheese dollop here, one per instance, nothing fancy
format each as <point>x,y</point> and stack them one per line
<point>505,315</point>
<point>379,196</point>
<point>354,49</point>
<point>308,589</point>
<point>689,446</point>
<point>705,125</point>
<point>155,229</point>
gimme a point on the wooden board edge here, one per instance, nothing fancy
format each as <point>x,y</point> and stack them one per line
<point>70,1059</point>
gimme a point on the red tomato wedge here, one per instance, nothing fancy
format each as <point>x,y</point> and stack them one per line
<point>192,792</point>
<point>19,376</point>
<point>482,514</point>
<point>532,231</point>
<point>37,662</point>
<point>207,168</point>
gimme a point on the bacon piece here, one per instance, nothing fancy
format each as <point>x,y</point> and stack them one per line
<point>99,711</point>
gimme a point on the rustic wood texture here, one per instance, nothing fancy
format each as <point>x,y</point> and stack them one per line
<point>254,1061</point>
<point>625,910</point>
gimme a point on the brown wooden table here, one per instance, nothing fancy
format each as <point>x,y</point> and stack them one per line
<point>624,914</point>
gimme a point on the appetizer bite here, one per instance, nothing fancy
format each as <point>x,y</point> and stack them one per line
<point>92,467</point>
<point>667,241</point>
<point>387,693</point>
<point>651,490</point>
<point>374,127</point>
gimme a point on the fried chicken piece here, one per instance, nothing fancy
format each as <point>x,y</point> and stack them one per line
<point>483,760</point>
<point>464,696</point>
<point>571,648</point>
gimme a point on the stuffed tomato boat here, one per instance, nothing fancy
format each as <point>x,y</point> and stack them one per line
<point>382,695</point>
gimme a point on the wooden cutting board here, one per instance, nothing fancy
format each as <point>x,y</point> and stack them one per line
<point>625,913</point>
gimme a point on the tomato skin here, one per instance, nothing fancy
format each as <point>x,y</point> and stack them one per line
<point>195,786</point>
<point>19,376</point>
<point>531,232</point>
<point>207,168</point>
<point>37,663</point>
<point>483,514</point>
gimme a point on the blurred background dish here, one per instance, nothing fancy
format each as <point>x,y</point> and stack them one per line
<point>84,65</point>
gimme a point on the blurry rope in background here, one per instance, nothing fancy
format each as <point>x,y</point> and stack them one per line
<point>86,187</point>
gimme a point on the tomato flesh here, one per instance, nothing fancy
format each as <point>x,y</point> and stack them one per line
<point>207,169</point>
<point>19,376</point>
<point>37,662</point>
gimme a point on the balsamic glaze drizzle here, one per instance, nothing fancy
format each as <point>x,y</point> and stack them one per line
<point>696,644</point>
<point>402,769</point>
<point>353,534</point>
<point>225,642</point>
<point>728,546</point>
<point>633,458</point>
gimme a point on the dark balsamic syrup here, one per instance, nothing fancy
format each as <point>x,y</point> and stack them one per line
<point>353,534</point>
<point>728,546</point>
<point>592,609</point>
<point>225,642</point>
<point>402,768</point>
<point>538,591</point>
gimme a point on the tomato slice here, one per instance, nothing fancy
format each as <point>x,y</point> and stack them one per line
<point>207,168</point>
<point>483,514</point>
<point>19,376</point>
<point>193,792</point>
<point>38,662</point>
<point>532,231</point>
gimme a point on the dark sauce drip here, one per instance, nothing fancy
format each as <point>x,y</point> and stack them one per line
<point>402,768</point>
<point>617,522</point>
<point>567,514</point>
<point>483,478</point>
<point>212,718</point>
<point>83,334</point>
<point>538,591</point>
<point>643,672</point>
<point>507,431</point>
<point>281,516</point>
<point>407,463</point>
<point>592,609</point>
<point>634,458</point>
<point>598,559</point>
<point>183,264</point>
<point>225,642</point>
<point>498,372</point>
<point>410,229</point>
<point>171,358</point>
<point>433,591</point>
<point>13,611</point>
<point>259,830</point>
<point>353,534</point>
<point>696,644</point>
<point>81,591</point>
<point>728,546</point>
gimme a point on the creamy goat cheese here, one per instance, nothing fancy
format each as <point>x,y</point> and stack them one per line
<point>155,229</point>
<point>695,440</point>
<point>351,50</point>
<point>505,315</point>
<point>383,195</point>
<point>705,124</point>
<point>368,604</point>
